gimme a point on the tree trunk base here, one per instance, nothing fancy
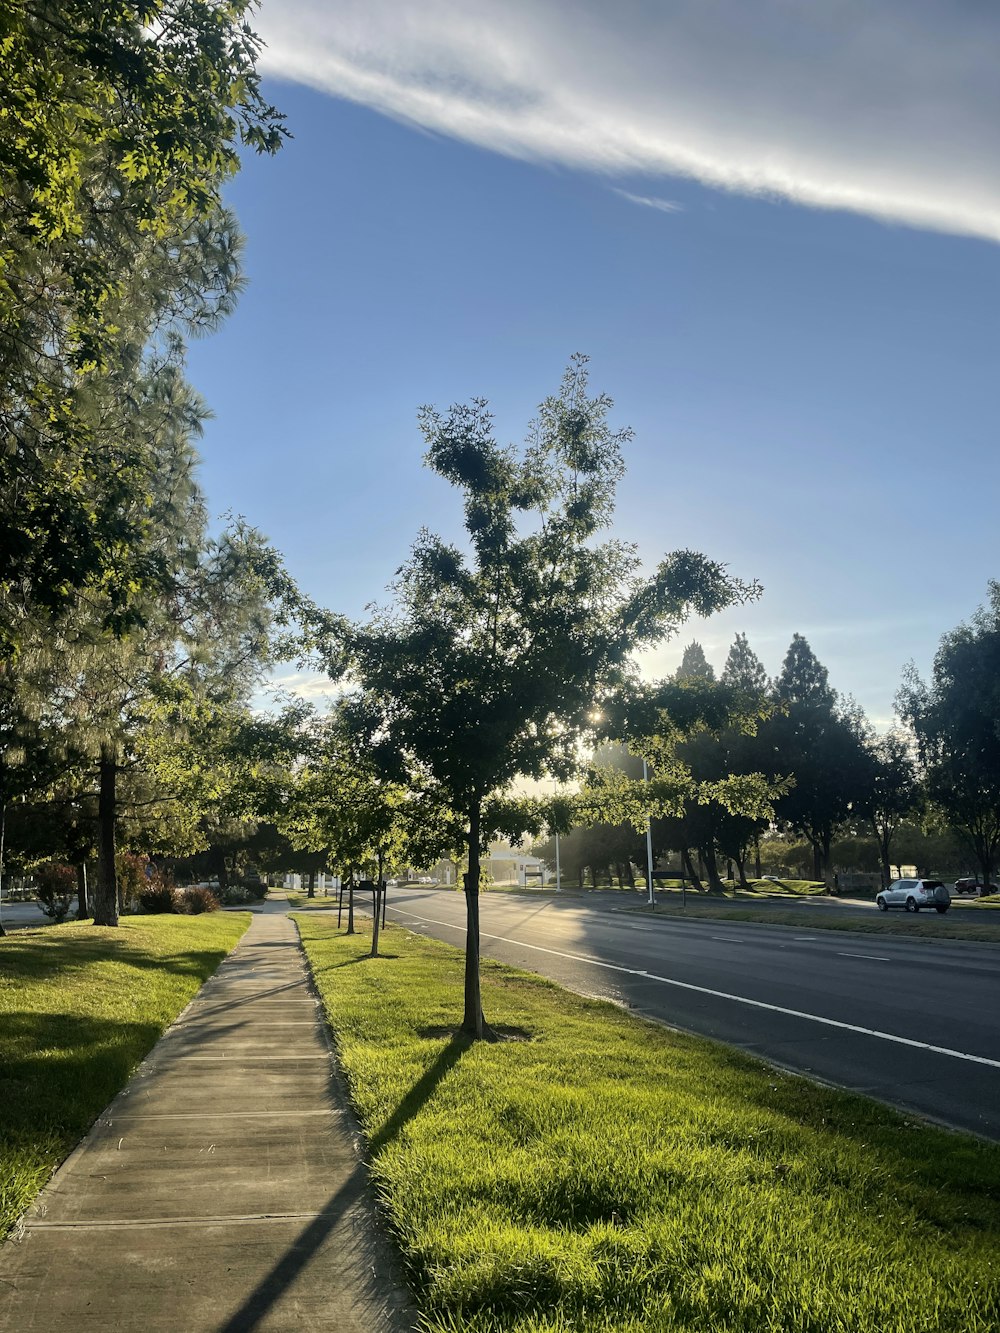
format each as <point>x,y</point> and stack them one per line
<point>484,1033</point>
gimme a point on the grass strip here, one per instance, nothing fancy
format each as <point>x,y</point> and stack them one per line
<point>80,1006</point>
<point>966,926</point>
<point>598,1173</point>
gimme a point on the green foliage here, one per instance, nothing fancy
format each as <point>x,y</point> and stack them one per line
<point>130,868</point>
<point>119,127</point>
<point>611,1176</point>
<point>56,888</point>
<point>496,662</point>
<point>821,742</point>
<point>694,664</point>
<point>493,667</point>
<point>956,722</point>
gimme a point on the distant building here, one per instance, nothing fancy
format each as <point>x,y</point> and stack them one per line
<point>506,865</point>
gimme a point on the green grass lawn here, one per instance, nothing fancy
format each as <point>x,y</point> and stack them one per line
<point>597,1173</point>
<point>80,1006</point>
<point>980,928</point>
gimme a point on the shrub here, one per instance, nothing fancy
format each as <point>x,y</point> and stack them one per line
<point>159,898</point>
<point>157,893</point>
<point>244,891</point>
<point>198,899</point>
<point>130,870</point>
<point>56,889</point>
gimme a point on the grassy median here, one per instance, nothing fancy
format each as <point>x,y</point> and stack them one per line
<point>595,1172</point>
<point>976,927</point>
<point>80,1006</point>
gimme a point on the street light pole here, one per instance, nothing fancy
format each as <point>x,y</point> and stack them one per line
<point>649,840</point>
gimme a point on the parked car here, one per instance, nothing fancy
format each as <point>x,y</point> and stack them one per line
<point>912,894</point>
<point>972,885</point>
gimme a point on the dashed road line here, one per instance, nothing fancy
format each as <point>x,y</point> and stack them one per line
<point>725,995</point>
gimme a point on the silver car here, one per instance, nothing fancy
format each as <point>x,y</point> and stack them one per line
<point>912,894</point>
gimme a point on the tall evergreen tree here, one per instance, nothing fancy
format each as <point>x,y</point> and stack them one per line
<point>956,721</point>
<point>694,664</point>
<point>820,743</point>
<point>744,670</point>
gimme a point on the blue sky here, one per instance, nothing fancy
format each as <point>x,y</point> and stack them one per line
<point>800,322</point>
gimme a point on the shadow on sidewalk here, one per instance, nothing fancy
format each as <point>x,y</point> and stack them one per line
<point>269,1291</point>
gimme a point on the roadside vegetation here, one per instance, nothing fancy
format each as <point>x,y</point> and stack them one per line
<point>590,1171</point>
<point>968,925</point>
<point>79,1008</point>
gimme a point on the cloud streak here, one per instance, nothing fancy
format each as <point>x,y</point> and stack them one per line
<point>887,109</point>
<point>651,201</point>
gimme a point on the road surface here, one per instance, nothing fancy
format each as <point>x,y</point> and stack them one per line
<point>915,1024</point>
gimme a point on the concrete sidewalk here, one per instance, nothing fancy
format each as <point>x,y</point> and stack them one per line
<point>221,1191</point>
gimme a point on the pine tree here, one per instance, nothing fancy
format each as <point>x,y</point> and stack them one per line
<point>694,664</point>
<point>744,670</point>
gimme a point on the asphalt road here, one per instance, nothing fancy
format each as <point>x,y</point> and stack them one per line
<point>915,1024</point>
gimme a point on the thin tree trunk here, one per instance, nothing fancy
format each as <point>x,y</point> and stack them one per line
<point>3,831</point>
<point>741,868</point>
<point>687,869</point>
<point>311,891</point>
<point>829,879</point>
<point>106,896</point>
<point>221,867</point>
<point>83,906</point>
<point>715,884</point>
<point>756,845</point>
<point>379,890</point>
<point>350,903</point>
<point>473,1023</point>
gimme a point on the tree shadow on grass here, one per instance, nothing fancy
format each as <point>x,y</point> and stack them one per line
<point>38,955</point>
<point>421,1092</point>
<point>59,1071</point>
<point>502,1032</point>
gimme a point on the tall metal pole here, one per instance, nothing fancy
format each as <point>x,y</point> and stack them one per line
<point>649,841</point>
<point>558,868</point>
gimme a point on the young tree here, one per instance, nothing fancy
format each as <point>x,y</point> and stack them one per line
<point>956,722</point>
<point>497,661</point>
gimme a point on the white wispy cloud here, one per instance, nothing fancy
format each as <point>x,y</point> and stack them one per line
<point>651,201</point>
<point>888,109</point>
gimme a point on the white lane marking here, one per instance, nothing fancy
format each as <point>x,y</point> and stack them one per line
<point>805,939</point>
<point>725,995</point>
<point>875,957</point>
<point>730,939</point>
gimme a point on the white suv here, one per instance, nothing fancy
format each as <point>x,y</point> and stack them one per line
<point>914,894</point>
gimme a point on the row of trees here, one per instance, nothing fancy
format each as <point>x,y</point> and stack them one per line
<point>924,792</point>
<point>498,660</point>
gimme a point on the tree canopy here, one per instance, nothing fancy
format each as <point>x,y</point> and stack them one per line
<point>497,659</point>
